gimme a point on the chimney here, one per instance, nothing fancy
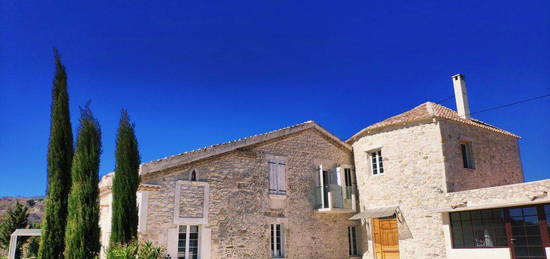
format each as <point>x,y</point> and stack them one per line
<point>461,97</point>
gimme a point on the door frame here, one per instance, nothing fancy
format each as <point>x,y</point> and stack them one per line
<point>544,235</point>
<point>373,236</point>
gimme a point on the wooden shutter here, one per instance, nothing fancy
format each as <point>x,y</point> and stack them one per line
<point>281,177</point>
<point>172,244</point>
<point>272,177</point>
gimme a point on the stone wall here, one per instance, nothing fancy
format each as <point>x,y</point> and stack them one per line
<point>239,210</point>
<point>496,157</point>
<point>413,179</point>
<point>191,201</point>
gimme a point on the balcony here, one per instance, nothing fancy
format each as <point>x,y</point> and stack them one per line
<point>334,198</point>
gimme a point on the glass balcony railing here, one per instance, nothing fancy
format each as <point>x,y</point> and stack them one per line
<point>334,197</point>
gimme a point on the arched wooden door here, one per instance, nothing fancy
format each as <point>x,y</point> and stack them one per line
<point>386,239</point>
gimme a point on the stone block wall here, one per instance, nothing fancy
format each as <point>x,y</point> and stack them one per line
<point>413,179</point>
<point>239,210</point>
<point>191,201</point>
<point>496,157</point>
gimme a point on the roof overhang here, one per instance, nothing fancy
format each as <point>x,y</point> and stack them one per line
<point>379,212</point>
<point>494,205</point>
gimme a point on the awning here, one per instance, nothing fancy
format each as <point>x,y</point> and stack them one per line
<point>379,212</point>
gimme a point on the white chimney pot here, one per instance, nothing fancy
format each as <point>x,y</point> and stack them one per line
<point>461,97</point>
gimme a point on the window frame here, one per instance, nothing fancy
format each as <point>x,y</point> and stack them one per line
<point>542,219</point>
<point>353,248</point>
<point>273,240</point>
<point>186,253</point>
<point>467,154</point>
<point>376,154</point>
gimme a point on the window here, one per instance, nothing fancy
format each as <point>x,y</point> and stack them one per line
<point>277,247</point>
<point>478,229</point>
<point>467,155</point>
<point>188,242</point>
<point>193,175</point>
<point>348,179</point>
<point>277,177</point>
<point>377,165</point>
<point>352,241</point>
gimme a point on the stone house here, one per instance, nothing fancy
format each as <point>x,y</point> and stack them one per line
<point>427,183</point>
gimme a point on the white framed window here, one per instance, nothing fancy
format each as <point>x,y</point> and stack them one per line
<point>277,241</point>
<point>377,166</point>
<point>352,241</point>
<point>467,154</point>
<point>277,177</point>
<point>188,242</point>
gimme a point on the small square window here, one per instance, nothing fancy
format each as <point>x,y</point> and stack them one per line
<point>467,155</point>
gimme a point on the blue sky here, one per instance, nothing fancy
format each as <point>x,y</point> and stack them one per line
<point>196,73</point>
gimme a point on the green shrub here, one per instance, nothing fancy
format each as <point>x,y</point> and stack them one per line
<point>135,250</point>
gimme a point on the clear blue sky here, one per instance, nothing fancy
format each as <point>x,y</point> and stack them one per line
<point>196,73</point>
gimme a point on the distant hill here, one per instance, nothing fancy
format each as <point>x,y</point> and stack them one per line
<point>35,204</point>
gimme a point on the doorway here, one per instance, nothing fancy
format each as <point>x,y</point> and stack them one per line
<point>386,238</point>
<point>524,231</point>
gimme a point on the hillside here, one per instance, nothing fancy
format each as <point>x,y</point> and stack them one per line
<point>35,204</point>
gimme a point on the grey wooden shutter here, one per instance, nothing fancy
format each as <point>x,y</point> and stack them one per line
<point>272,177</point>
<point>281,177</point>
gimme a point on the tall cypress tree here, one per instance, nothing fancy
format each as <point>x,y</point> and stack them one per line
<point>60,155</point>
<point>82,232</point>
<point>125,183</point>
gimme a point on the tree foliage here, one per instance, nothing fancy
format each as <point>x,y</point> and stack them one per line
<point>60,154</point>
<point>135,250</point>
<point>125,183</point>
<point>82,233</point>
<point>16,217</point>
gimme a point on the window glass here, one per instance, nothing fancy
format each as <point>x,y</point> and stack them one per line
<point>188,242</point>
<point>376,162</point>
<point>467,155</point>
<point>478,228</point>
<point>352,241</point>
<point>277,248</point>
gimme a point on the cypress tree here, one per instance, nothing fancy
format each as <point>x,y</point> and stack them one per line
<point>82,232</point>
<point>17,217</point>
<point>125,183</point>
<point>60,155</point>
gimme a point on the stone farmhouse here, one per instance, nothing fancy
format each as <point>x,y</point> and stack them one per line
<point>428,183</point>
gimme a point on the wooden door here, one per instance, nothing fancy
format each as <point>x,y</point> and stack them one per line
<point>386,240</point>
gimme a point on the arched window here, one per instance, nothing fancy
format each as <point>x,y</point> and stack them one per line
<point>193,175</point>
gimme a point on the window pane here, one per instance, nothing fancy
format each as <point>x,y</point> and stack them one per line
<point>478,228</point>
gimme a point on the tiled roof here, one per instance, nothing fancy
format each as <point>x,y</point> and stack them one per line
<point>426,111</point>
<point>217,149</point>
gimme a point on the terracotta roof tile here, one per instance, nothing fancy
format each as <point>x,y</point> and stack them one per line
<point>426,111</point>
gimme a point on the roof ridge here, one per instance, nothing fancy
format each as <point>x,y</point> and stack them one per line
<point>221,148</point>
<point>229,142</point>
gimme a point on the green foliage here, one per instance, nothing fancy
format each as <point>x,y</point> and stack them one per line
<point>82,232</point>
<point>125,183</point>
<point>30,248</point>
<point>16,217</point>
<point>135,250</point>
<point>31,203</point>
<point>60,155</point>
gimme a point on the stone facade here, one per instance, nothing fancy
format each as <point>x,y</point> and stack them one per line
<point>240,208</point>
<point>424,178</point>
<point>496,157</point>
<point>413,179</point>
